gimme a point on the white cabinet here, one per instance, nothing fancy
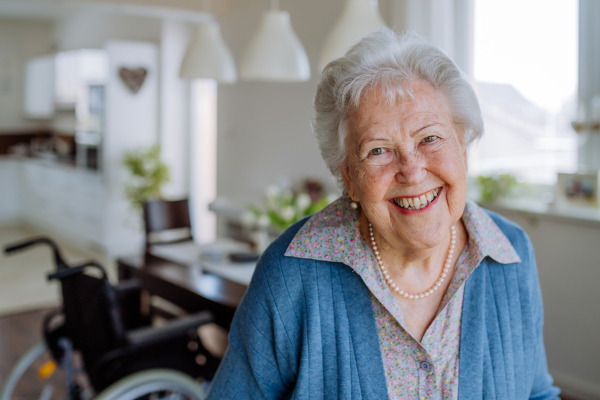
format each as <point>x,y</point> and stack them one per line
<point>39,88</point>
<point>76,70</point>
<point>63,199</point>
<point>10,197</point>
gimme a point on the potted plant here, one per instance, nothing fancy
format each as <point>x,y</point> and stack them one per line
<point>148,175</point>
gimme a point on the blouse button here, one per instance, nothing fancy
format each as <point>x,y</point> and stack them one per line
<point>425,365</point>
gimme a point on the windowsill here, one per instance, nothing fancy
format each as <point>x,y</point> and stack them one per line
<point>531,208</point>
<point>589,217</point>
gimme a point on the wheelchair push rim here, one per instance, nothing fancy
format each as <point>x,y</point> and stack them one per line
<point>158,383</point>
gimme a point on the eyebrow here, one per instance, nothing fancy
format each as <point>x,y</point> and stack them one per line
<point>362,142</point>
<point>427,126</point>
<point>380,139</point>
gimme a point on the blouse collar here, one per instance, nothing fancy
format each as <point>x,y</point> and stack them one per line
<point>333,234</point>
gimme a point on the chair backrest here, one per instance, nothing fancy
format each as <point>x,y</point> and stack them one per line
<point>162,215</point>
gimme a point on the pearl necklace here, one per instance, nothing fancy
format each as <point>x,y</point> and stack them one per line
<point>435,286</point>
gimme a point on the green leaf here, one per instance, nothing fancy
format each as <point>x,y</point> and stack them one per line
<point>148,175</point>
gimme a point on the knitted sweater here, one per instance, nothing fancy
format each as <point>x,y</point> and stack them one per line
<point>305,330</point>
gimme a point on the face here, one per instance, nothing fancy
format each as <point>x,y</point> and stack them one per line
<point>398,153</point>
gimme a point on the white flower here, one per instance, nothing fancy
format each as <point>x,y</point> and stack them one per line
<point>287,194</point>
<point>303,202</point>
<point>263,221</point>
<point>287,213</point>
<point>272,194</point>
<point>272,191</point>
<point>247,219</point>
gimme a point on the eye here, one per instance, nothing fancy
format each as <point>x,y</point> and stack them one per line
<point>377,151</point>
<point>430,139</point>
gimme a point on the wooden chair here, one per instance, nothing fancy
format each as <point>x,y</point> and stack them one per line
<point>167,222</point>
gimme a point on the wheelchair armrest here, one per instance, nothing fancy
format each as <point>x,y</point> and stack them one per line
<point>175,346</point>
<point>147,336</point>
<point>129,285</point>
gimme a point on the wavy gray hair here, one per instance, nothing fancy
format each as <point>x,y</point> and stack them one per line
<point>388,61</point>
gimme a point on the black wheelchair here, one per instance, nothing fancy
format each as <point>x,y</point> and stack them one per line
<point>109,352</point>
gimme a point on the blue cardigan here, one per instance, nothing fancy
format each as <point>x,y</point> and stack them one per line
<point>305,330</point>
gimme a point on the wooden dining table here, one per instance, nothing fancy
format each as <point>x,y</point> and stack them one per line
<point>191,286</point>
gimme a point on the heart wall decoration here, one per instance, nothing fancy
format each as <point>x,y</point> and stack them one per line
<point>133,78</point>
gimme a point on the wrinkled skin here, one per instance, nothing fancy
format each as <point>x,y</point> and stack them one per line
<point>407,149</point>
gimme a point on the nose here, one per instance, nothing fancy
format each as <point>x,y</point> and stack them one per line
<point>411,167</point>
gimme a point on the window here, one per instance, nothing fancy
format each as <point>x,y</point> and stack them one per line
<point>525,72</point>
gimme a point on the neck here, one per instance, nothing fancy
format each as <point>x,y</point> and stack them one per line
<point>402,259</point>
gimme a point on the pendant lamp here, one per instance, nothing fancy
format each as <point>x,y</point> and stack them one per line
<point>358,18</point>
<point>275,53</point>
<point>208,57</point>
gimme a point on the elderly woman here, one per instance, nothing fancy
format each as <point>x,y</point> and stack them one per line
<point>402,288</point>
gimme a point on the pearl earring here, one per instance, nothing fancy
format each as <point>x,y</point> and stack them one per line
<point>354,205</point>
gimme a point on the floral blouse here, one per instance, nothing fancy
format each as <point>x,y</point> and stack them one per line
<point>414,370</point>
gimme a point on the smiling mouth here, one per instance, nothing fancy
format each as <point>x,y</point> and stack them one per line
<point>417,203</point>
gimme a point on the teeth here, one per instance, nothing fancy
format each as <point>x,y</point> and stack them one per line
<point>416,203</point>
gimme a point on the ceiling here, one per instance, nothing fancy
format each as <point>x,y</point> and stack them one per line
<point>190,10</point>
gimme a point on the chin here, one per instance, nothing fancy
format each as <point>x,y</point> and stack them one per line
<point>425,231</point>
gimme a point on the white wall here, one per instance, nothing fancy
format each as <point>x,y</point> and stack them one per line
<point>175,108</point>
<point>264,133</point>
<point>94,29</point>
<point>131,124</point>
<point>19,41</point>
<point>568,260</point>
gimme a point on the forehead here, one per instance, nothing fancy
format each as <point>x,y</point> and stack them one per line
<point>421,102</point>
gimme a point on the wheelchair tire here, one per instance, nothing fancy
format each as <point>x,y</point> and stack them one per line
<point>19,369</point>
<point>162,382</point>
<point>23,378</point>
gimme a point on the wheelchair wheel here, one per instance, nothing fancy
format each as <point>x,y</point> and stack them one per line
<point>155,384</point>
<point>36,376</point>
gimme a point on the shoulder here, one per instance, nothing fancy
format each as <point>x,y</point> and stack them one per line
<point>274,256</point>
<point>278,280</point>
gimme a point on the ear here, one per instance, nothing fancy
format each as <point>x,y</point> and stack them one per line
<point>463,144</point>
<point>345,169</point>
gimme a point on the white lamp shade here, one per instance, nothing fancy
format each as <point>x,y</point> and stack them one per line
<point>208,56</point>
<point>358,18</point>
<point>275,53</point>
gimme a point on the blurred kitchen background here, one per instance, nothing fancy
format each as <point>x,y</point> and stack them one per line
<point>85,85</point>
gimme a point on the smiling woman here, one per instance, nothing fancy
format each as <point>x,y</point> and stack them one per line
<point>401,288</point>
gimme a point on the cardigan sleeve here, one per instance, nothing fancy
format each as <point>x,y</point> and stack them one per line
<point>259,362</point>
<point>542,387</point>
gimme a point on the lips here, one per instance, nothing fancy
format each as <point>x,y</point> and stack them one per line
<point>417,203</point>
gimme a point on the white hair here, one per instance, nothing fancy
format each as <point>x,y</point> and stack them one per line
<point>388,61</point>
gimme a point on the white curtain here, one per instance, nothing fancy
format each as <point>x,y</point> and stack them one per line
<point>447,23</point>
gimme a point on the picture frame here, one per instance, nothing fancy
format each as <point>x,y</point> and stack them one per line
<point>579,190</point>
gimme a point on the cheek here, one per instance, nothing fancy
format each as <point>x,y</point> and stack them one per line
<point>373,181</point>
<point>452,170</point>
<point>451,164</point>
